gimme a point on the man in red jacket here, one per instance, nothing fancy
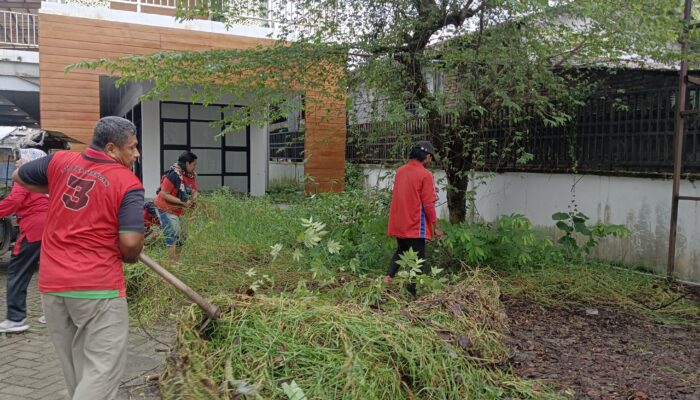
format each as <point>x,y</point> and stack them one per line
<point>412,217</point>
<point>95,223</point>
<point>30,209</point>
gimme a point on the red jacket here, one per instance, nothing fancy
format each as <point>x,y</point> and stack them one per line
<point>166,186</point>
<point>80,248</point>
<point>31,212</point>
<point>412,210</point>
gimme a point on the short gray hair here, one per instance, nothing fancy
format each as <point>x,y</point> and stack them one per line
<point>112,130</point>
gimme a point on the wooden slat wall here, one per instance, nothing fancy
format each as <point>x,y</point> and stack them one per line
<point>70,103</point>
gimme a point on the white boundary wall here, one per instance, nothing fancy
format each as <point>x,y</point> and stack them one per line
<point>282,172</point>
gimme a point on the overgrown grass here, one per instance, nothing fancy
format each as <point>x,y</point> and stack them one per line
<point>229,235</point>
<point>596,284</point>
<point>226,236</point>
<point>325,321</point>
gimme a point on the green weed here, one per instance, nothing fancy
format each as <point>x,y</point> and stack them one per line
<point>598,285</point>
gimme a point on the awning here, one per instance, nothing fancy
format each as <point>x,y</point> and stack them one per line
<point>17,84</point>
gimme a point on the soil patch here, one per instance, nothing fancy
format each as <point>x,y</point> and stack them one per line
<point>604,353</point>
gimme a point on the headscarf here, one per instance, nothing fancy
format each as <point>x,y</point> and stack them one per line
<point>30,154</point>
<point>179,181</point>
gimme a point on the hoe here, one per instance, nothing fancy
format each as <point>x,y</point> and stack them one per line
<point>211,311</point>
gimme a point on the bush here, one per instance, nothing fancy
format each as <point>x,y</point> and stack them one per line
<point>509,242</point>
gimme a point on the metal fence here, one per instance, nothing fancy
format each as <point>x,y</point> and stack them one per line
<point>383,142</point>
<point>628,132</point>
<point>286,146</point>
<point>18,30</point>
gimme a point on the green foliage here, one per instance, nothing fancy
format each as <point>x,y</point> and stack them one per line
<point>510,242</point>
<point>310,252</point>
<point>293,391</point>
<point>513,242</point>
<point>354,176</point>
<point>465,67</point>
<point>349,336</point>
<point>573,224</point>
<point>413,271</point>
<point>286,192</point>
<point>411,265</point>
<point>253,243</point>
<point>270,78</point>
<point>357,220</point>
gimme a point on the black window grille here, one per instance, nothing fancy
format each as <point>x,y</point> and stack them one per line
<point>613,133</point>
<point>286,146</point>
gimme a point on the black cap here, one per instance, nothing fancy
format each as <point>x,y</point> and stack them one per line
<point>426,146</point>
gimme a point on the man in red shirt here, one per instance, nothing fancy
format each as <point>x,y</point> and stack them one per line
<point>30,209</point>
<point>95,223</point>
<point>412,216</point>
<point>178,190</point>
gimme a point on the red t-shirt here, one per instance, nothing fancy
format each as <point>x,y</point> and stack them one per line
<point>31,212</point>
<point>167,186</point>
<point>80,246</point>
<point>412,210</point>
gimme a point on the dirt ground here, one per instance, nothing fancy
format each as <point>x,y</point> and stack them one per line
<point>611,355</point>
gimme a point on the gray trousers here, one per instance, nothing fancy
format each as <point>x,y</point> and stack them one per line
<point>90,337</point>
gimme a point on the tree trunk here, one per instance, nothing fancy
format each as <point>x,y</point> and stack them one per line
<point>457,195</point>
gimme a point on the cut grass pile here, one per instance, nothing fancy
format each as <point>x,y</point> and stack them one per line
<point>441,347</point>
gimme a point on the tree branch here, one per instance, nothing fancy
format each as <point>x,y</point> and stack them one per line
<point>457,18</point>
<point>568,54</point>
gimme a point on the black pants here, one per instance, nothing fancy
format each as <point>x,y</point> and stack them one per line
<point>403,245</point>
<point>19,273</point>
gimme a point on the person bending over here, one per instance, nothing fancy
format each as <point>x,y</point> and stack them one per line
<point>178,190</point>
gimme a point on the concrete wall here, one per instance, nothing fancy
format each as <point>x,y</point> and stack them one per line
<point>643,205</point>
<point>282,172</point>
<point>22,64</point>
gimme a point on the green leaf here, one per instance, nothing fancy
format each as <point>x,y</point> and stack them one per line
<point>564,227</point>
<point>560,216</point>
<point>581,228</point>
<point>579,218</point>
<point>275,250</point>
<point>568,241</point>
<point>297,255</point>
<point>293,391</point>
<point>333,247</point>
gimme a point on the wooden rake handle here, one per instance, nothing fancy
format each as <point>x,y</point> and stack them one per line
<point>209,309</point>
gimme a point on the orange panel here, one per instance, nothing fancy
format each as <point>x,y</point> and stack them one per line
<point>56,96</point>
<point>70,102</point>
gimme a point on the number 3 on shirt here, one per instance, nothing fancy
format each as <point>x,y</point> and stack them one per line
<point>80,188</point>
